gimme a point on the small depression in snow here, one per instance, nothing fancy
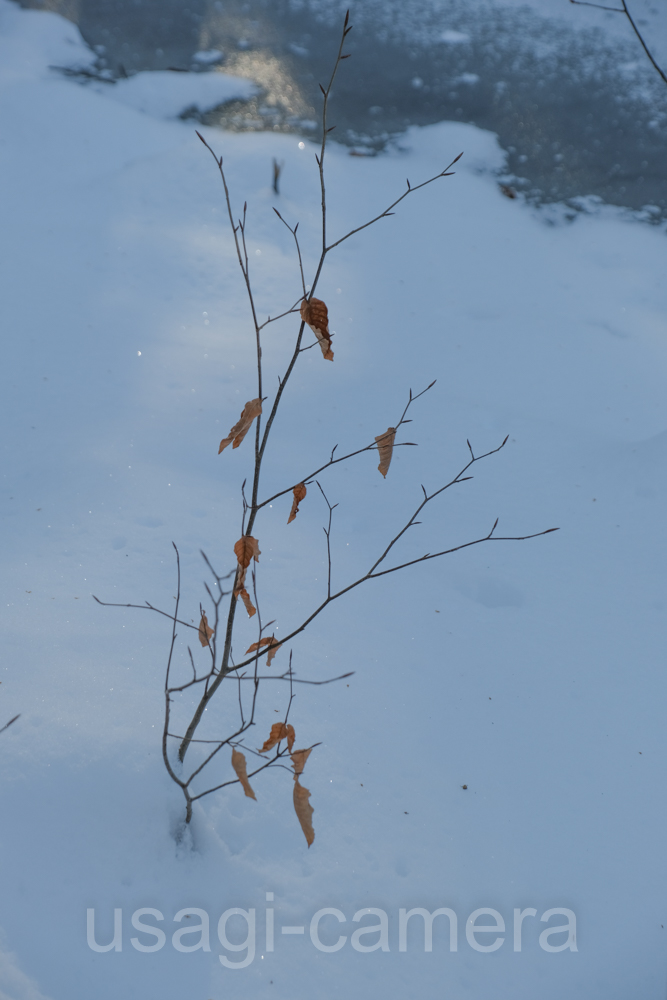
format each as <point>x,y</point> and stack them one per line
<point>491,592</point>
<point>149,522</point>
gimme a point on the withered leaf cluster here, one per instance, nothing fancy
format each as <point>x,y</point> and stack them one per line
<point>279,731</point>
<point>302,807</point>
<point>271,642</point>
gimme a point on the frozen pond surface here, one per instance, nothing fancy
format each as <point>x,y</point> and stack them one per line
<point>572,98</point>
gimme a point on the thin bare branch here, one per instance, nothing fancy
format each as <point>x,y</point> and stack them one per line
<point>273,319</point>
<point>327,532</point>
<point>599,6</point>
<point>428,497</point>
<point>167,693</point>
<point>373,572</point>
<point>387,211</point>
<point>11,721</point>
<point>145,607</point>
<point>298,250</point>
<point>360,451</point>
<point>625,10</point>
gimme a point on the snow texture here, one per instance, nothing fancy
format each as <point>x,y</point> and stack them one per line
<point>164,94</point>
<point>531,672</point>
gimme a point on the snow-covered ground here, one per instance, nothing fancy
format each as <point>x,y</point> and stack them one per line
<point>168,95</point>
<point>530,672</point>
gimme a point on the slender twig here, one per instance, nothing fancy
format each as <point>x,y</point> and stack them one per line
<point>388,210</point>
<point>374,574</point>
<point>235,781</point>
<point>167,697</point>
<point>298,248</point>
<point>599,6</point>
<point>327,465</point>
<point>623,9</point>
<point>327,532</point>
<point>325,108</point>
<point>427,499</point>
<point>19,716</point>
<point>192,662</point>
<point>144,607</point>
<point>245,270</point>
<point>291,689</point>
<point>360,451</point>
<point>273,319</point>
<point>393,569</point>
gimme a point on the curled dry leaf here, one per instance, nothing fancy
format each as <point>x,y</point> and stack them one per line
<point>299,495</point>
<point>205,630</point>
<point>385,443</point>
<point>271,642</point>
<point>245,550</point>
<point>279,731</point>
<point>239,765</point>
<point>290,736</point>
<point>249,606</point>
<point>304,810</point>
<point>316,315</point>
<point>252,409</point>
<point>273,649</point>
<point>299,758</point>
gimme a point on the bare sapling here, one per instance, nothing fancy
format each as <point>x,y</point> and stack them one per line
<point>241,679</point>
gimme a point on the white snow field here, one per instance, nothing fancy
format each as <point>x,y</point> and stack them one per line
<point>531,672</point>
<point>168,95</point>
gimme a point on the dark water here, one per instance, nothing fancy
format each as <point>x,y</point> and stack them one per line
<point>580,115</point>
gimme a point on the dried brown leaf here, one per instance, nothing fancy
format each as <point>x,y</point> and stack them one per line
<point>273,649</point>
<point>271,642</point>
<point>290,736</point>
<point>239,765</point>
<point>278,732</point>
<point>316,315</point>
<point>247,549</point>
<point>385,443</point>
<point>266,641</point>
<point>249,606</point>
<point>299,758</point>
<point>239,581</point>
<point>299,495</point>
<point>304,810</point>
<point>205,630</point>
<point>252,409</point>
